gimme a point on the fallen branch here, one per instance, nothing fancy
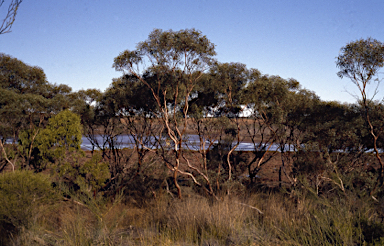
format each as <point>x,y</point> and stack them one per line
<point>249,206</point>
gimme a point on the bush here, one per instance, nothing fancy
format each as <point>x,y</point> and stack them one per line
<point>62,134</point>
<point>22,193</point>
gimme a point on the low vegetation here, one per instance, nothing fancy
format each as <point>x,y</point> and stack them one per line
<point>297,217</point>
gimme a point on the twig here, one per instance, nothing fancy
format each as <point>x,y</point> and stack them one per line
<point>258,210</point>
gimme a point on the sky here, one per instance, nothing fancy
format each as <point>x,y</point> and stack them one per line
<point>75,42</point>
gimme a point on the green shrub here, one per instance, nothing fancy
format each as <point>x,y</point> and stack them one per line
<point>62,134</point>
<point>22,193</point>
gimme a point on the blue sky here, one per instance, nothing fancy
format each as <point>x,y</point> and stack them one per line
<point>75,41</point>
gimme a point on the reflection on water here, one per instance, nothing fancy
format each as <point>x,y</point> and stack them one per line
<point>191,142</point>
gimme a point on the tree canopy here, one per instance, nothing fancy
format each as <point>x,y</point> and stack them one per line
<point>360,61</point>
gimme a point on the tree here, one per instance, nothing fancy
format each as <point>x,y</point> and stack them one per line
<point>332,145</point>
<point>170,63</point>
<point>24,101</point>
<point>214,118</point>
<point>360,61</point>
<point>132,103</point>
<point>27,102</point>
<point>228,81</point>
<point>272,100</point>
<point>10,16</point>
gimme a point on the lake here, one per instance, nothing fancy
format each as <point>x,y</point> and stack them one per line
<point>191,142</point>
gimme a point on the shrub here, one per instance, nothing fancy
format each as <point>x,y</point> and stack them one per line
<point>62,134</point>
<point>21,194</point>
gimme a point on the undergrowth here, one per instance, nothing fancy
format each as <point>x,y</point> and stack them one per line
<point>296,217</point>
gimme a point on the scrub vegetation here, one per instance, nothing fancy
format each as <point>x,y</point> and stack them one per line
<point>313,174</point>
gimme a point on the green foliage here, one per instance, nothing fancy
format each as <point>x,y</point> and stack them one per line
<point>376,113</point>
<point>21,78</point>
<point>60,142</point>
<point>94,172</point>
<point>61,137</point>
<point>176,60</point>
<point>20,111</point>
<point>83,103</point>
<point>65,130</point>
<point>63,133</point>
<point>27,101</point>
<point>22,193</point>
<point>228,80</point>
<point>164,82</point>
<point>128,96</point>
<point>360,60</point>
<point>167,49</point>
<point>333,126</point>
<point>76,174</point>
<point>29,151</point>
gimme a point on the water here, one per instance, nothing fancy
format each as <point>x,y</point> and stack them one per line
<point>191,142</point>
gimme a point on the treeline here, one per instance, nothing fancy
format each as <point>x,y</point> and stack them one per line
<point>172,88</point>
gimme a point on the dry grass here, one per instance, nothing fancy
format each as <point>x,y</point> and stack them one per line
<point>200,221</point>
<point>297,217</point>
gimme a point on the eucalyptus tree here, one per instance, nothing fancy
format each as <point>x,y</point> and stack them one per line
<point>228,81</point>
<point>24,91</point>
<point>102,129</point>
<point>84,102</point>
<point>269,99</point>
<point>360,61</point>
<point>332,145</point>
<point>169,64</point>
<point>130,103</point>
<point>125,112</point>
<point>214,118</point>
<point>27,101</point>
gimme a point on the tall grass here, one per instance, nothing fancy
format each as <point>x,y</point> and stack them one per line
<point>286,219</point>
